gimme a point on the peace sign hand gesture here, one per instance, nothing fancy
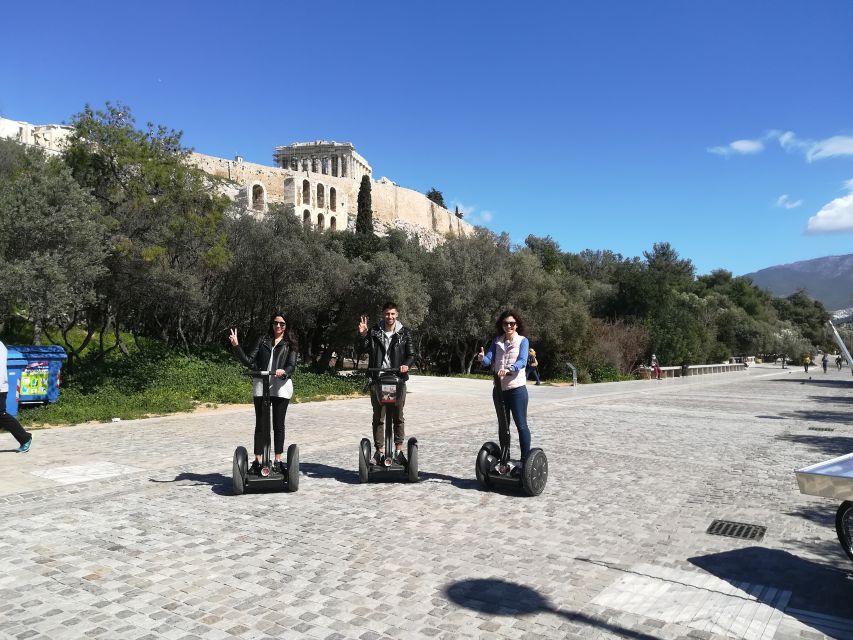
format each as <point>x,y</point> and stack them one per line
<point>233,338</point>
<point>362,325</point>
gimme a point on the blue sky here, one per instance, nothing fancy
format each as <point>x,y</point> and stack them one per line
<point>724,128</point>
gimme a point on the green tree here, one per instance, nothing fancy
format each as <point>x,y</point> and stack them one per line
<point>167,243</point>
<point>364,216</point>
<point>437,197</point>
<point>52,239</point>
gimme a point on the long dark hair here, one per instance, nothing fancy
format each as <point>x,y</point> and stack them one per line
<point>520,327</point>
<point>289,333</point>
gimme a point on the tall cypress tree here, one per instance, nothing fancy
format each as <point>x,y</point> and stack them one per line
<point>364,219</point>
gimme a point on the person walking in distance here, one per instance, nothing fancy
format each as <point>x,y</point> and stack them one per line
<point>533,366</point>
<point>7,422</point>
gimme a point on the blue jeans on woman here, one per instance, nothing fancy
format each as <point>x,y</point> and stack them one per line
<point>512,402</point>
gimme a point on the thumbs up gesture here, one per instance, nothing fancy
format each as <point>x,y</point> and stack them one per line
<point>481,355</point>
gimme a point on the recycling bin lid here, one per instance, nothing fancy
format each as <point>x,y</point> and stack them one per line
<point>40,352</point>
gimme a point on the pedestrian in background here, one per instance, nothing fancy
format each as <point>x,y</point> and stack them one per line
<point>806,362</point>
<point>825,362</point>
<point>7,422</point>
<point>656,367</point>
<point>533,365</point>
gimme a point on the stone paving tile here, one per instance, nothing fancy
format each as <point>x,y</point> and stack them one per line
<point>638,471</point>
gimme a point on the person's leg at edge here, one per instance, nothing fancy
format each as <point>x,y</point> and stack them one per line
<point>378,422</point>
<point>517,401</point>
<point>279,411</point>
<point>399,422</point>
<point>502,411</point>
<point>11,424</point>
<point>260,435</point>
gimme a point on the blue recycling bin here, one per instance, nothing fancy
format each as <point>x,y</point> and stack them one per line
<point>15,364</point>
<point>41,375</point>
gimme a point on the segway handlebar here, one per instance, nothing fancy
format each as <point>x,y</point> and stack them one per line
<point>381,370</point>
<point>259,374</point>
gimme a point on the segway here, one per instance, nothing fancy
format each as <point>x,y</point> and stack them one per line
<point>286,478</point>
<point>494,469</point>
<point>388,389</point>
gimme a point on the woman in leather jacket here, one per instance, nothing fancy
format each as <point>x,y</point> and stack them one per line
<point>273,352</point>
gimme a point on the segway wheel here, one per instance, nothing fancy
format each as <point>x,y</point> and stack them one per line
<point>844,527</point>
<point>481,467</point>
<point>534,475</point>
<point>239,470</point>
<point>293,468</point>
<point>413,460</point>
<point>363,457</point>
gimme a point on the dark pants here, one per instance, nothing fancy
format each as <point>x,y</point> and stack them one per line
<point>10,424</point>
<point>262,432</point>
<point>533,372</point>
<point>379,416</point>
<point>512,402</point>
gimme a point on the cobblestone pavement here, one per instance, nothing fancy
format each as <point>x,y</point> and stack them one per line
<point>129,530</point>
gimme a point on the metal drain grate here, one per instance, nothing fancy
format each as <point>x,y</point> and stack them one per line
<point>821,428</point>
<point>736,530</point>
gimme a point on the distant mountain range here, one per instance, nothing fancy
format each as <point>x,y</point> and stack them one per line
<point>829,280</point>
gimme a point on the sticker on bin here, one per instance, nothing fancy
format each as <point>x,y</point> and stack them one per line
<point>388,392</point>
<point>34,379</point>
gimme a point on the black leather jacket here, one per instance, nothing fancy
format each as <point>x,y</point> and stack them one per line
<point>402,350</point>
<point>283,358</point>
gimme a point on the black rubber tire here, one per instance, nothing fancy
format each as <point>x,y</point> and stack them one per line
<point>412,469</point>
<point>481,466</point>
<point>239,470</point>
<point>844,527</point>
<point>534,474</point>
<point>293,468</point>
<point>363,456</point>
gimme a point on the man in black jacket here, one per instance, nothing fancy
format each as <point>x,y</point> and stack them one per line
<point>389,345</point>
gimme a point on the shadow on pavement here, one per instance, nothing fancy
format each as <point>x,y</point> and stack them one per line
<point>822,514</point>
<point>815,588</point>
<point>835,417</point>
<point>460,483</point>
<point>845,400</point>
<point>832,446</point>
<point>841,384</point>
<point>316,470</point>
<point>502,598</point>
<point>219,484</point>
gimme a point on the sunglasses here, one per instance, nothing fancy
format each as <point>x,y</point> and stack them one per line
<point>279,324</point>
<point>509,324</point>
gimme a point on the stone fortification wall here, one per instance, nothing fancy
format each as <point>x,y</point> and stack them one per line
<point>393,202</point>
<point>323,200</point>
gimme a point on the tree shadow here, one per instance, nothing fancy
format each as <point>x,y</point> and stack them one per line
<point>503,598</point>
<point>839,384</point>
<point>820,514</point>
<point>834,417</point>
<point>832,446</point>
<point>772,417</point>
<point>323,471</point>
<point>815,588</point>
<point>845,400</point>
<point>220,484</point>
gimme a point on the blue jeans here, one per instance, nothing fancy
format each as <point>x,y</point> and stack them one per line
<point>512,402</point>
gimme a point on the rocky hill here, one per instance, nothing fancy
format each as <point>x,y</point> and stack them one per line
<point>829,280</point>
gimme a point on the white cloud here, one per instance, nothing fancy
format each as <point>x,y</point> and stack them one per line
<point>741,147</point>
<point>785,202</point>
<point>834,146</point>
<point>471,213</point>
<point>788,140</point>
<point>835,217</point>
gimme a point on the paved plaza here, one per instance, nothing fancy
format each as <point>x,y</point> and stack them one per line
<point>129,529</point>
